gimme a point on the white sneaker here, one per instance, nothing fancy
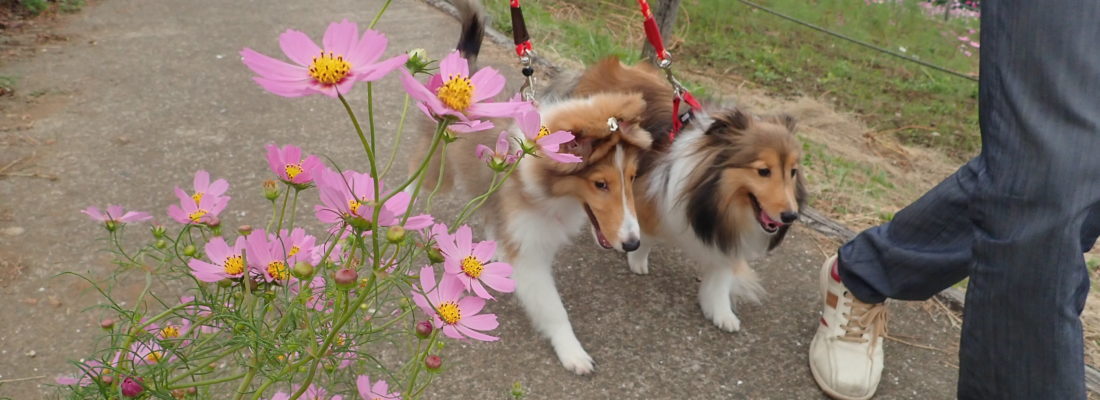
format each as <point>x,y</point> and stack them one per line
<point>846,353</point>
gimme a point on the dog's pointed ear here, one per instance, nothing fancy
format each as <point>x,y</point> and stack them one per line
<point>787,121</point>
<point>580,146</point>
<point>735,120</point>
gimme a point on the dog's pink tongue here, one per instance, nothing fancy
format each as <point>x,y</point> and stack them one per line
<point>603,240</point>
<point>771,223</point>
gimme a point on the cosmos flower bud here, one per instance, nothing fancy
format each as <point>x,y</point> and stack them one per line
<point>395,234</point>
<point>111,226</point>
<point>158,231</point>
<point>423,329</point>
<point>107,324</point>
<point>418,61</point>
<point>434,255</point>
<point>131,387</point>
<point>161,244</point>
<point>244,230</point>
<point>433,362</point>
<point>302,270</point>
<point>189,250</point>
<point>271,190</point>
<point>345,278</point>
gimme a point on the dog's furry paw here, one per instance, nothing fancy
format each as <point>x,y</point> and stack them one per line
<point>575,359</point>
<point>638,265</point>
<point>723,318</point>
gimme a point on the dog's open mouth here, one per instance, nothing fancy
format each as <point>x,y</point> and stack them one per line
<point>596,228</point>
<point>768,224</point>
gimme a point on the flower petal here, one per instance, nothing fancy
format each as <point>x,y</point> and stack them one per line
<point>484,251</point>
<point>494,110</point>
<point>471,305</point>
<point>284,88</point>
<point>375,71</point>
<point>340,37</point>
<point>271,68</point>
<point>369,48</point>
<point>481,322</point>
<point>477,335</point>
<point>298,47</point>
<point>454,64</point>
<point>487,82</point>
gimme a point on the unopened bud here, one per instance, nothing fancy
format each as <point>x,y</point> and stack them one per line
<point>111,226</point>
<point>423,329</point>
<point>107,379</point>
<point>418,61</point>
<point>434,255</point>
<point>302,270</point>
<point>179,394</point>
<point>132,387</point>
<point>161,244</point>
<point>345,278</point>
<point>107,324</point>
<point>225,283</point>
<point>433,362</point>
<point>157,231</point>
<point>189,250</point>
<point>271,190</point>
<point>244,230</point>
<point>359,223</point>
<point>395,234</point>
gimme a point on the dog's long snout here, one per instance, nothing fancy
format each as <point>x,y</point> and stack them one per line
<point>788,216</point>
<point>631,244</point>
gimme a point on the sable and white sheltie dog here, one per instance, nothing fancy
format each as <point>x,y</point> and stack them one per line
<point>724,191</point>
<point>543,205</point>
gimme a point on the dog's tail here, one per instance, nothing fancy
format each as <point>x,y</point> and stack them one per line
<point>474,18</point>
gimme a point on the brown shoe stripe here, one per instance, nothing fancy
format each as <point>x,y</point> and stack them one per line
<point>830,300</point>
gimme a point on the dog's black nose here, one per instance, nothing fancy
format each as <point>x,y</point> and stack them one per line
<point>788,216</point>
<point>631,245</point>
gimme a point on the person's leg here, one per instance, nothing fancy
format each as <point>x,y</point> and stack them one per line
<point>1040,117</point>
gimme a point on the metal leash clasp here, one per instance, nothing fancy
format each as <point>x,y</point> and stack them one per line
<point>527,90</point>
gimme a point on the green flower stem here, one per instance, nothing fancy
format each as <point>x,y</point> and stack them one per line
<point>282,212</point>
<point>358,129</point>
<point>370,124</point>
<point>439,178</point>
<point>293,209</point>
<point>207,383</point>
<point>248,376</point>
<point>370,153</point>
<point>478,201</point>
<point>397,140</point>
<point>118,245</point>
<point>379,15</point>
<point>419,364</point>
<point>420,171</point>
<point>204,362</point>
<point>132,334</point>
<point>274,214</point>
<point>336,327</point>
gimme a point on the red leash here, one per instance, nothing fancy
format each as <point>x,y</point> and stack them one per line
<point>680,93</point>
<point>523,50</point>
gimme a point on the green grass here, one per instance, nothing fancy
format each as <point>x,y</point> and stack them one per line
<point>919,105</point>
<point>7,85</point>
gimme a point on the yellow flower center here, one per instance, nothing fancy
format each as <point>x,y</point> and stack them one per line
<point>278,271</point>
<point>170,332</point>
<point>197,197</point>
<point>194,216</point>
<point>154,356</point>
<point>449,312</point>
<point>472,266</point>
<point>293,170</point>
<point>542,133</point>
<point>293,250</point>
<point>457,93</point>
<point>329,69</point>
<point>234,265</point>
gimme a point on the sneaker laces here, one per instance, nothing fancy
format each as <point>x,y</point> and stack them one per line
<point>865,318</point>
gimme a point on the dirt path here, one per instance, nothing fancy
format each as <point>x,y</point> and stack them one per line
<point>142,93</point>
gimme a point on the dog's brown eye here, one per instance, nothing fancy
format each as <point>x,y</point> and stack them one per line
<point>764,172</point>
<point>794,172</point>
<point>601,185</point>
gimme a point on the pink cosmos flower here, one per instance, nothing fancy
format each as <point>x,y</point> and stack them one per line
<point>349,196</point>
<point>456,315</point>
<point>312,392</point>
<point>172,331</point>
<point>203,186</point>
<point>266,258</point>
<point>296,245</point>
<point>500,156</point>
<point>288,164</point>
<point>461,96</point>
<point>470,126</point>
<point>89,371</point>
<point>147,352</point>
<point>225,262</point>
<point>470,263</point>
<point>530,123</point>
<point>334,256</point>
<point>115,214</point>
<point>964,38</point>
<point>975,44</point>
<point>346,58</point>
<point>131,387</point>
<point>379,391</point>
<point>204,205</point>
